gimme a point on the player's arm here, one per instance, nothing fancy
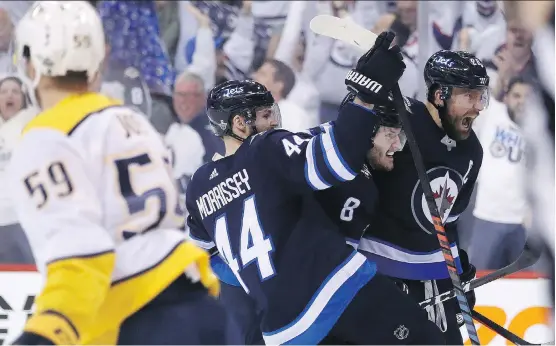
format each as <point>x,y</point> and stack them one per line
<point>338,153</point>
<point>60,211</point>
<point>329,158</point>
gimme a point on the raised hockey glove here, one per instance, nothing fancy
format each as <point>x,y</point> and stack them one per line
<point>377,72</point>
<point>468,273</point>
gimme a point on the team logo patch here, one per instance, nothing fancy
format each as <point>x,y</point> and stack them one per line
<point>445,183</point>
<point>401,332</point>
<point>459,319</point>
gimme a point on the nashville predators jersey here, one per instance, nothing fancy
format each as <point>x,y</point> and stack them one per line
<point>94,192</point>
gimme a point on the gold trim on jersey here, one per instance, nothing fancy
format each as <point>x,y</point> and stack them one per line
<point>79,289</point>
<point>75,287</point>
<point>69,113</point>
<point>129,295</point>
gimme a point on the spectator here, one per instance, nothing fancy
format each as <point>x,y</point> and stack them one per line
<point>200,51</point>
<point>12,97</point>
<point>405,21</point>
<point>479,16</point>
<point>223,19</point>
<point>506,51</point>
<point>279,79</point>
<point>132,30</point>
<point>327,61</point>
<point>290,46</point>
<point>169,22</point>
<point>189,103</point>
<point>498,234</point>
<point>14,247</point>
<point>6,43</point>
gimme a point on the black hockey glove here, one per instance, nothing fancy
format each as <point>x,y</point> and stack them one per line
<point>468,273</point>
<point>377,72</point>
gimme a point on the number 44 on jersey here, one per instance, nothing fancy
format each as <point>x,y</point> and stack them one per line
<point>254,247</point>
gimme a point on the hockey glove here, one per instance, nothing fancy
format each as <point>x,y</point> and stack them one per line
<point>377,72</point>
<point>468,273</point>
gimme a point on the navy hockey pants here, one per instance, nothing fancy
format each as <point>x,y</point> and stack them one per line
<point>183,314</point>
<point>381,313</point>
<point>445,315</point>
<point>244,311</point>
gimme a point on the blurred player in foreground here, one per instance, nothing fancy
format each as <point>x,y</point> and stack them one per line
<point>95,195</point>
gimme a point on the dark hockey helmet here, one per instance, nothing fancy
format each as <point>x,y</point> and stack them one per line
<point>389,116</point>
<point>386,111</point>
<point>447,69</point>
<point>235,98</point>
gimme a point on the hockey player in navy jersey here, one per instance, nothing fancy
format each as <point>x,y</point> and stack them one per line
<point>400,237</point>
<point>257,206</point>
<point>351,205</point>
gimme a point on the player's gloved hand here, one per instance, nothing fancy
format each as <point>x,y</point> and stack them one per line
<point>378,71</point>
<point>48,328</point>
<point>468,273</point>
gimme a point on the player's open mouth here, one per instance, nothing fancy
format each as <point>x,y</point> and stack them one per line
<point>390,154</point>
<point>466,123</point>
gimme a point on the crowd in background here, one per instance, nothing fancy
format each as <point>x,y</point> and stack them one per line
<point>164,56</point>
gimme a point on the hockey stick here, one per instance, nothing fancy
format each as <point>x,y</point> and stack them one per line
<point>436,219</point>
<point>349,32</point>
<point>529,256</point>
<point>503,331</point>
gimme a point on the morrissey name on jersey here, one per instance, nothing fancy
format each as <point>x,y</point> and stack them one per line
<point>223,193</point>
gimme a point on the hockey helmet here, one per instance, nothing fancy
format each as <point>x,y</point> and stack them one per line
<point>58,37</point>
<point>447,69</point>
<point>387,113</point>
<point>232,98</point>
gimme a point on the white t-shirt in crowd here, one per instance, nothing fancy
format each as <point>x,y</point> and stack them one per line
<point>500,195</point>
<point>10,134</point>
<point>294,118</point>
<point>305,95</point>
<point>187,149</point>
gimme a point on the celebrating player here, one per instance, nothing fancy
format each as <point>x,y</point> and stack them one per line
<point>95,195</point>
<point>400,237</point>
<point>337,201</point>
<point>257,206</point>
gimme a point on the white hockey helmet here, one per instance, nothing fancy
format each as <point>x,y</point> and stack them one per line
<point>59,37</point>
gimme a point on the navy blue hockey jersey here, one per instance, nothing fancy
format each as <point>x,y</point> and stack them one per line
<point>401,237</point>
<point>257,207</point>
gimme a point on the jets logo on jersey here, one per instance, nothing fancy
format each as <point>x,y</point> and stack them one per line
<point>445,184</point>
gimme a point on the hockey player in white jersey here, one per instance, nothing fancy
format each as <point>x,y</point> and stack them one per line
<point>94,193</point>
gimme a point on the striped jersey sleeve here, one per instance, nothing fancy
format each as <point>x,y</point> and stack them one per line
<point>324,156</point>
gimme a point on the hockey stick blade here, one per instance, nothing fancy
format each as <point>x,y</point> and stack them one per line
<point>343,29</point>
<point>495,327</point>
<point>529,256</point>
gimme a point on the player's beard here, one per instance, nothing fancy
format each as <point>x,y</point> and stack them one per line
<point>453,126</point>
<point>377,159</point>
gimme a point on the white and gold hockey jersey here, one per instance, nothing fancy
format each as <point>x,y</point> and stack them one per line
<point>94,191</point>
